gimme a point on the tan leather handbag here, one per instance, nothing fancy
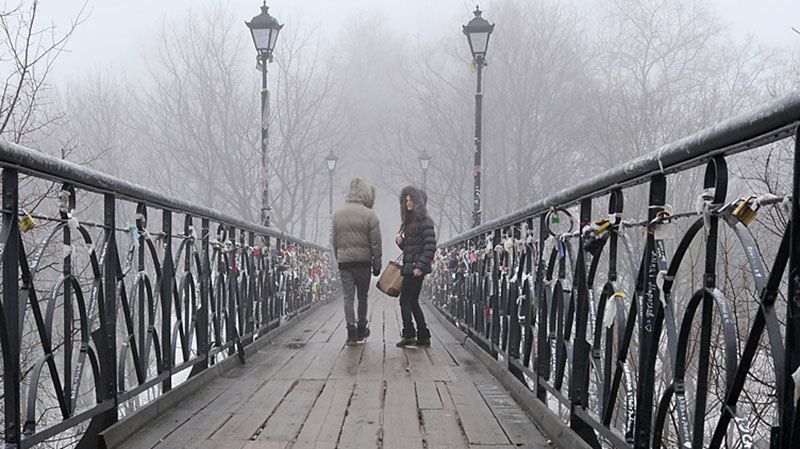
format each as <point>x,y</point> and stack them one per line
<point>391,279</point>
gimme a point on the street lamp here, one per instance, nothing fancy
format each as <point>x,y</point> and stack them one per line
<point>424,163</point>
<point>478,31</point>
<point>264,29</point>
<point>330,160</point>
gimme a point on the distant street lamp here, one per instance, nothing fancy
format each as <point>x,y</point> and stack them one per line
<point>478,31</point>
<point>424,163</point>
<point>330,160</point>
<point>264,29</point>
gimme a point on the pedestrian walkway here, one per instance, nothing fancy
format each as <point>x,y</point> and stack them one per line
<point>307,389</point>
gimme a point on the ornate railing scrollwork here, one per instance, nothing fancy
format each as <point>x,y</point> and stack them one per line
<point>98,319</point>
<point>646,339</point>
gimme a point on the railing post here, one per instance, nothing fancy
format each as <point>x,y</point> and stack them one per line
<point>109,321</point>
<point>165,289</point>
<point>648,297</point>
<point>233,334</point>
<point>514,324</point>
<point>542,341</point>
<point>494,300</point>
<point>203,341</point>
<point>67,206</point>
<point>11,309</point>
<point>790,427</point>
<point>527,344</point>
<point>265,281</point>
<point>252,283</point>
<point>579,378</point>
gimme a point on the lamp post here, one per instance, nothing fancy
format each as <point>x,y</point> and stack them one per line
<point>424,163</point>
<point>478,31</point>
<point>330,160</point>
<point>264,29</point>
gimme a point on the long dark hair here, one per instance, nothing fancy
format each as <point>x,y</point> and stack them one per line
<point>410,218</point>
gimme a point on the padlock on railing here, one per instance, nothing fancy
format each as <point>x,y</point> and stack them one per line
<point>744,212</point>
<point>27,222</point>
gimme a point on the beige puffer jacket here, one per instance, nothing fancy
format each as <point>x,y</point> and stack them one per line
<point>356,228</point>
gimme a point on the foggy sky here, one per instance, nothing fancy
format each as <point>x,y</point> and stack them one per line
<point>117,33</point>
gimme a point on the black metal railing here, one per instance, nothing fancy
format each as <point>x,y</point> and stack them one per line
<point>689,341</point>
<point>106,306</point>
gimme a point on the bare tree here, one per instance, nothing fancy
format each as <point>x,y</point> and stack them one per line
<point>28,53</point>
<point>308,124</point>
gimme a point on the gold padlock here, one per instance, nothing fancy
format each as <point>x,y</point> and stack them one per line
<point>602,227</point>
<point>26,223</point>
<point>744,212</point>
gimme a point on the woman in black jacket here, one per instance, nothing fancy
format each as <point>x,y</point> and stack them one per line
<point>417,239</point>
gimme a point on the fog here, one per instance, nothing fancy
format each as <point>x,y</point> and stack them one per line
<point>165,94</point>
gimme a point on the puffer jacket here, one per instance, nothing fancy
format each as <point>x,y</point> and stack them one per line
<point>356,236</point>
<point>419,236</point>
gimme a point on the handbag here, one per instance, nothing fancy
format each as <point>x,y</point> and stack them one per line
<point>391,279</point>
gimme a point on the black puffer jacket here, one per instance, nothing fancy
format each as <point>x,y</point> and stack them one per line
<point>419,236</point>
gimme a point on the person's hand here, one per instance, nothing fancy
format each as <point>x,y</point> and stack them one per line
<point>376,271</point>
<point>399,241</point>
<point>417,272</point>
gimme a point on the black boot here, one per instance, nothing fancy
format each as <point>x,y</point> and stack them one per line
<point>423,337</point>
<point>409,339</point>
<point>363,332</point>
<point>352,336</point>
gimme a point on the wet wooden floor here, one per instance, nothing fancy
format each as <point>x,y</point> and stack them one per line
<point>308,390</point>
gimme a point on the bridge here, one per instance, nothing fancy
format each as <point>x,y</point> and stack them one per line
<point>133,319</point>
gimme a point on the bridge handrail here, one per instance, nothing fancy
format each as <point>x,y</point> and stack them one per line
<point>46,166</point>
<point>771,122</point>
<point>110,317</point>
<point>607,340</point>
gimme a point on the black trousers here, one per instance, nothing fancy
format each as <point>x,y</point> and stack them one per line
<point>409,308</point>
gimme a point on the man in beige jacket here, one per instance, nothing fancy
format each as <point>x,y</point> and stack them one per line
<point>356,243</point>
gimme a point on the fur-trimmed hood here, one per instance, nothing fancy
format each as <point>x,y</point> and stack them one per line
<point>420,199</point>
<point>361,192</point>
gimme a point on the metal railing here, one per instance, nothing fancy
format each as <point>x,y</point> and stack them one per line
<point>99,318</point>
<point>602,332</point>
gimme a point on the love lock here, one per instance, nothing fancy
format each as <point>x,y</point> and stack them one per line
<point>744,212</point>
<point>26,223</point>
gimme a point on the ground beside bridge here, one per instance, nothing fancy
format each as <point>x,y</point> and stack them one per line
<point>307,389</point>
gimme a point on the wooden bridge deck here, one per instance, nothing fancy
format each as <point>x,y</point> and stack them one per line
<point>307,389</point>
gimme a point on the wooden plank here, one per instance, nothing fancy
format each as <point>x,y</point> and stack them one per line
<point>444,395</point>
<point>427,395</point>
<point>468,368</point>
<point>310,325</point>
<point>295,368</point>
<point>395,363</point>
<point>264,445</point>
<point>178,416</point>
<point>437,330</point>
<point>516,424</point>
<point>346,366</point>
<point>244,381</point>
<point>285,422</point>
<point>330,326</point>
<point>371,365</point>
<point>477,419</point>
<point>324,423</point>
<point>401,428</point>
<point>246,420</point>
<point>422,368</point>
<point>320,368</point>
<point>442,430</point>
<point>361,428</point>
